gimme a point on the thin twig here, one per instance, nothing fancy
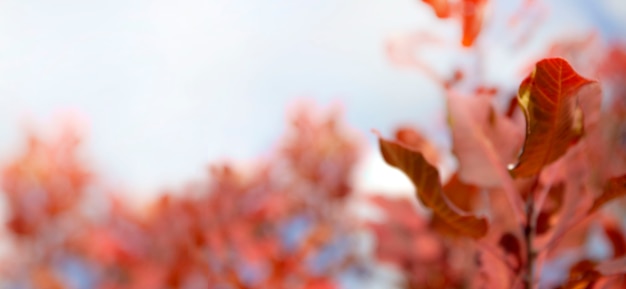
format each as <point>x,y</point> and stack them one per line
<point>529,234</point>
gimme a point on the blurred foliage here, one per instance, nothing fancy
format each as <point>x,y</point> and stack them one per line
<point>288,220</point>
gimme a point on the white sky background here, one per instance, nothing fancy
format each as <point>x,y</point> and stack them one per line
<point>168,87</point>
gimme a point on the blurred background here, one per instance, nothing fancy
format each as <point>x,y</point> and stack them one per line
<point>160,90</point>
<point>164,88</point>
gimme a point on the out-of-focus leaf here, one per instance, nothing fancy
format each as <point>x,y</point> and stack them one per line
<point>425,178</point>
<point>554,120</point>
<point>441,7</point>
<point>612,267</point>
<point>44,278</point>
<point>614,233</point>
<point>472,19</point>
<point>582,275</point>
<point>461,194</point>
<point>512,246</point>
<point>411,138</point>
<point>554,201</point>
<point>482,140</point>
<point>614,188</point>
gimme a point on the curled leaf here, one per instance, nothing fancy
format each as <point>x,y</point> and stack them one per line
<point>425,178</point>
<point>554,119</point>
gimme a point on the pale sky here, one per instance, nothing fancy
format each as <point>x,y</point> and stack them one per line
<point>167,87</point>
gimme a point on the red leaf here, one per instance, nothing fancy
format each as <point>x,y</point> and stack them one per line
<point>472,18</point>
<point>462,195</point>
<point>441,7</point>
<point>409,137</point>
<point>554,202</point>
<point>483,141</point>
<point>549,99</point>
<point>612,267</point>
<point>582,275</point>
<point>512,246</point>
<point>616,237</point>
<point>614,188</point>
<point>425,178</point>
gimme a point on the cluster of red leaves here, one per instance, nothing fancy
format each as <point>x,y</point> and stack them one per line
<point>281,224</point>
<point>562,177</point>
<point>407,240</point>
<point>44,183</point>
<point>532,179</point>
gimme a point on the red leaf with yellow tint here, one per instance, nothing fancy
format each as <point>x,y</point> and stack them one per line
<point>425,178</point>
<point>614,188</point>
<point>554,120</point>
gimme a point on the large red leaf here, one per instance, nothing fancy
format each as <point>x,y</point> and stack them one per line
<point>425,178</point>
<point>554,120</point>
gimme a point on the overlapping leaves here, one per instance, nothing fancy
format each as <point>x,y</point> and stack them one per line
<point>425,177</point>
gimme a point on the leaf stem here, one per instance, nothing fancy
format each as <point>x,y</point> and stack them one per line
<point>529,235</point>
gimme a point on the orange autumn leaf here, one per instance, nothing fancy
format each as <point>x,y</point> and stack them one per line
<point>554,120</point>
<point>425,178</point>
